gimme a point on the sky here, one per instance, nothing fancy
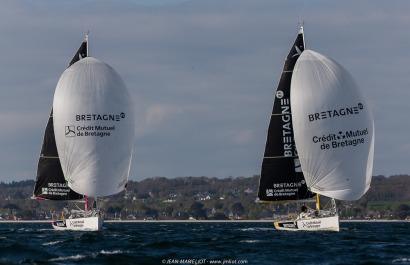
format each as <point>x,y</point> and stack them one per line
<point>202,74</point>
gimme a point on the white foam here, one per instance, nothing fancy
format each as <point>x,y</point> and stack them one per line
<point>111,252</point>
<point>52,243</point>
<point>402,260</point>
<point>250,241</point>
<point>75,257</point>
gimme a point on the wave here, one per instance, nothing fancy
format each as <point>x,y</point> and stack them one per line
<point>402,260</point>
<point>53,243</point>
<point>111,252</point>
<point>148,243</point>
<point>83,257</point>
<point>257,229</point>
<point>74,257</point>
<point>252,241</point>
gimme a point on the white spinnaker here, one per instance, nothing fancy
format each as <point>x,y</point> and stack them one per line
<point>333,128</point>
<point>94,126</point>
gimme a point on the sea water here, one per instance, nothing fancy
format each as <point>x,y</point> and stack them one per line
<point>204,243</point>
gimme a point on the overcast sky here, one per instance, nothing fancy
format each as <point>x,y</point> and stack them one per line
<point>203,74</point>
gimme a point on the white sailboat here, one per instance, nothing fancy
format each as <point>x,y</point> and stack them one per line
<point>333,134</point>
<point>91,135</point>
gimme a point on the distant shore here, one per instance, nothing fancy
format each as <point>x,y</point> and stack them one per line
<point>204,221</point>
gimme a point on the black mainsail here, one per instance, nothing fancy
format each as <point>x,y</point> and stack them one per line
<point>281,175</point>
<point>50,181</point>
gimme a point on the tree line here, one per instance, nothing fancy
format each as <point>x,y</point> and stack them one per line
<point>207,198</point>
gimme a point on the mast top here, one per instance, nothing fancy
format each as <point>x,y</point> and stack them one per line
<point>86,39</point>
<point>302,24</point>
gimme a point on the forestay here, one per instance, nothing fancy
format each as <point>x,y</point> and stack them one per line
<point>333,128</point>
<point>94,123</point>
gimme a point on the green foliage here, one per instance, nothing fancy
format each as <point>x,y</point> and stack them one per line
<point>206,198</point>
<point>218,205</point>
<point>402,211</point>
<point>220,216</point>
<point>237,208</point>
<point>114,209</point>
<point>197,211</point>
<point>149,212</point>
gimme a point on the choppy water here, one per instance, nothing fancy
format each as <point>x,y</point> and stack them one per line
<point>204,243</point>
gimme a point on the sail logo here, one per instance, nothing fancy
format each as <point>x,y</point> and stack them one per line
<point>100,117</point>
<point>55,189</point>
<point>298,51</point>
<point>287,136</point>
<point>335,113</point>
<point>279,94</point>
<point>90,130</point>
<point>70,131</point>
<point>289,185</point>
<point>341,139</point>
<point>284,189</point>
<point>57,185</point>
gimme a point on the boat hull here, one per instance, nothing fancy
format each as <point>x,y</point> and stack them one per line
<point>311,224</point>
<point>93,223</point>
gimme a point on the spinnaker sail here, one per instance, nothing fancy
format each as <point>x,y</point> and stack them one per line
<point>94,124</point>
<point>333,126</point>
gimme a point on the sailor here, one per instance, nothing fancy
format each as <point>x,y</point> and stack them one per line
<point>304,213</point>
<point>63,213</point>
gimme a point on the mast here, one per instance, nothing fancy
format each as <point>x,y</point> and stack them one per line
<point>317,202</point>
<point>86,40</point>
<point>301,31</point>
